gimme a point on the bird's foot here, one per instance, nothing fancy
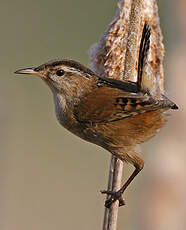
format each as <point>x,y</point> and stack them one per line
<point>113,197</point>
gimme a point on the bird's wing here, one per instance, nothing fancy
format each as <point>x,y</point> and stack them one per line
<point>106,104</point>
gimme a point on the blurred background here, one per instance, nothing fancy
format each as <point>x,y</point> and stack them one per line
<point>50,179</point>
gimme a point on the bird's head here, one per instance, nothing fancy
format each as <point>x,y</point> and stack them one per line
<point>62,76</point>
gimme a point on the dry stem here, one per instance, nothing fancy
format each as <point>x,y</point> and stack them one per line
<point>114,183</point>
<point>116,56</point>
<point>132,40</point>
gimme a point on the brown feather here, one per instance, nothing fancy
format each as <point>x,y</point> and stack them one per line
<point>107,104</point>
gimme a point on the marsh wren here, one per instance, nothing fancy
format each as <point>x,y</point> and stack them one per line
<point>116,115</point>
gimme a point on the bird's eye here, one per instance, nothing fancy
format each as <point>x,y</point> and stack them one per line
<point>60,72</point>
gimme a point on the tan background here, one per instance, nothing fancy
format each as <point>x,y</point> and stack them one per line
<point>50,179</point>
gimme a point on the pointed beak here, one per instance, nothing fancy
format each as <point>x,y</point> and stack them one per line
<point>27,71</point>
<point>31,71</point>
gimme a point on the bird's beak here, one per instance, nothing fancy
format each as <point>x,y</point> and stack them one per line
<point>31,71</point>
<point>26,71</point>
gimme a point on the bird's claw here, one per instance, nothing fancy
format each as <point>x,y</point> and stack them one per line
<point>114,196</point>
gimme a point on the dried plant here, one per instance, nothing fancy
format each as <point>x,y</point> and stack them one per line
<point>115,55</point>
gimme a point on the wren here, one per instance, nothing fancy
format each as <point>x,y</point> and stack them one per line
<point>116,115</point>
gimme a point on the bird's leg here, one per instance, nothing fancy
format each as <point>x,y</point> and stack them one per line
<point>118,194</point>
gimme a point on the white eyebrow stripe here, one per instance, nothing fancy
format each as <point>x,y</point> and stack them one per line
<point>74,70</point>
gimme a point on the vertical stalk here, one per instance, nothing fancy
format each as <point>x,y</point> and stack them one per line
<point>116,166</point>
<point>114,183</point>
<point>132,40</point>
<point>115,56</point>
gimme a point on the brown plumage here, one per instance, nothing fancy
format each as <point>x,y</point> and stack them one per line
<point>117,115</point>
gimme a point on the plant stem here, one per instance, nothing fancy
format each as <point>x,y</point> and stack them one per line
<point>116,166</point>
<point>114,183</point>
<point>132,40</point>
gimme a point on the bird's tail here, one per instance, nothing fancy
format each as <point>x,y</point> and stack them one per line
<point>143,53</point>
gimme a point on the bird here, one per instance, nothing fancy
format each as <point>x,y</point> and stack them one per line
<point>116,115</point>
